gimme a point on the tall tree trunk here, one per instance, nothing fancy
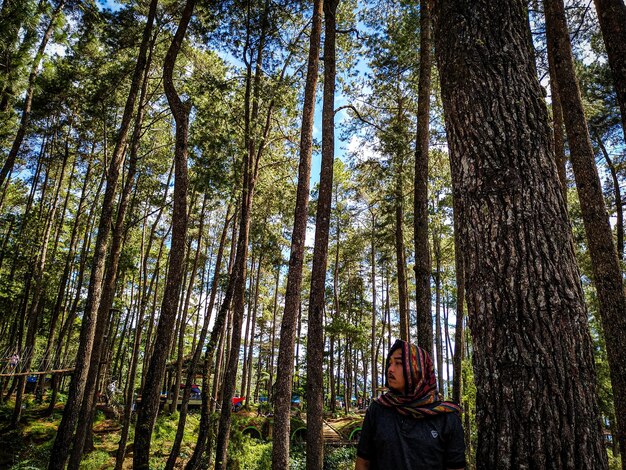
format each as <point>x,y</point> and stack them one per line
<point>84,433</point>
<point>315,346</point>
<point>532,350</point>
<point>65,432</point>
<point>246,339</point>
<point>607,274</point>
<point>403,300</point>
<point>420,189</point>
<point>612,18</point>
<point>156,369</point>
<point>195,359</point>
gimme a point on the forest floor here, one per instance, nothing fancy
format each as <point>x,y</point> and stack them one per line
<point>29,446</point>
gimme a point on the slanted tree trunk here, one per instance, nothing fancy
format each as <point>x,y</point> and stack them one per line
<point>607,274</point>
<point>612,18</point>
<point>315,346</point>
<point>532,350</point>
<point>84,433</point>
<point>65,432</point>
<point>156,369</point>
<point>420,188</point>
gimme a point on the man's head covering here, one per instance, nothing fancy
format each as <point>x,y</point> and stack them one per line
<point>419,397</point>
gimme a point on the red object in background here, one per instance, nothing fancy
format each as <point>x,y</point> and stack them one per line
<point>237,400</point>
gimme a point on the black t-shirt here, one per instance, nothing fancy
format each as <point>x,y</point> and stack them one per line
<point>390,440</point>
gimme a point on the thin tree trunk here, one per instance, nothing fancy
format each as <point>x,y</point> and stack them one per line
<point>33,312</point>
<point>557,126</point>
<point>619,210</point>
<point>217,336</point>
<point>270,384</point>
<point>457,381</point>
<point>246,339</point>
<point>438,336</point>
<point>532,351</point>
<point>403,301</point>
<point>374,313</point>
<point>246,393</point>
<point>607,275</point>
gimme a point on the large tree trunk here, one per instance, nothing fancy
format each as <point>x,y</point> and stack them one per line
<point>154,376</point>
<point>420,188</point>
<point>315,345</point>
<point>532,354</point>
<point>612,18</point>
<point>607,274</point>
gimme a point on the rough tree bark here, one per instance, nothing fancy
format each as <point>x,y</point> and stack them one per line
<point>607,274</point>
<point>420,189</point>
<point>315,346</point>
<point>532,350</point>
<point>156,369</point>
<point>65,432</point>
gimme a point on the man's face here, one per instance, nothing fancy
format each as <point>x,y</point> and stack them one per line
<point>395,377</point>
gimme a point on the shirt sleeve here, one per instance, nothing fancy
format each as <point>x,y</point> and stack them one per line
<point>455,443</point>
<point>366,441</point>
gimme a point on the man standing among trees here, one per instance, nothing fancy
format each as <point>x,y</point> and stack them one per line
<point>536,401</point>
<point>408,427</point>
